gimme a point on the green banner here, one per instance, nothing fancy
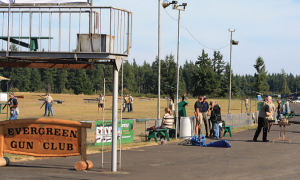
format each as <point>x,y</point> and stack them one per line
<point>104,133</point>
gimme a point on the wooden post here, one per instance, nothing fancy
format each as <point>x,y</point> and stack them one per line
<point>83,144</point>
<point>1,141</point>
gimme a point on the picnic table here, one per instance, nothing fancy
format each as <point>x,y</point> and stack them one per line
<point>282,138</point>
<point>33,46</point>
<point>163,133</point>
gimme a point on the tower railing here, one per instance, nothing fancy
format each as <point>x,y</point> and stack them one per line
<point>80,29</point>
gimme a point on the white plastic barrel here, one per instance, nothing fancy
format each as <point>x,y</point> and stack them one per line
<point>186,127</point>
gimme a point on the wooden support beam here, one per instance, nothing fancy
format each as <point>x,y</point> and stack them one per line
<point>83,144</point>
<point>46,65</point>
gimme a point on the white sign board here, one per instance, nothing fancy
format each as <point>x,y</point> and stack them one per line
<point>3,97</point>
<point>41,1</point>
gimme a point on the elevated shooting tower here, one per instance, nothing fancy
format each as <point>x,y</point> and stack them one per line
<point>66,35</point>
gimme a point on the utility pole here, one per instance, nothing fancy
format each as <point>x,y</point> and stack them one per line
<point>230,71</point>
<point>232,42</point>
<point>158,93</point>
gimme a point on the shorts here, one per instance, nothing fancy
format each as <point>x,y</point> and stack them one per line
<point>100,105</point>
<point>200,121</point>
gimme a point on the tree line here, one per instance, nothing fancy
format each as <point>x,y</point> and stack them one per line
<point>206,76</point>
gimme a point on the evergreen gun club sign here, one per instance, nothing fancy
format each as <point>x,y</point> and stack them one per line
<point>43,137</point>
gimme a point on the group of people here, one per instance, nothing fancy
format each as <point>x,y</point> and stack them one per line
<point>202,111</point>
<point>128,103</point>
<point>48,104</point>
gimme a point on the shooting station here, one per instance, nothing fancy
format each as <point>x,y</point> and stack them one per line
<point>66,34</point>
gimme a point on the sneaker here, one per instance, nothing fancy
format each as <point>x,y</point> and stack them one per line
<point>265,140</point>
<point>215,138</point>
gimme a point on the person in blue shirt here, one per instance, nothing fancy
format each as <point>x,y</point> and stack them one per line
<point>207,123</point>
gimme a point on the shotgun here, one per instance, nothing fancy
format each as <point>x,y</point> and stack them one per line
<point>10,100</point>
<point>43,105</point>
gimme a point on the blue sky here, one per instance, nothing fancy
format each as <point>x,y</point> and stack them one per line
<point>268,28</point>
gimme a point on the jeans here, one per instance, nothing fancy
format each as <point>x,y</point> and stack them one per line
<point>126,106</point>
<point>279,115</point>
<point>131,106</point>
<point>50,110</point>
<point>246,104</point>
<point>216,130</point>
<point>46,108</point>
<point>14,116</point>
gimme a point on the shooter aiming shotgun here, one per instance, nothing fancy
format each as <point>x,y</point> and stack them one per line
<point>44,102</point>
<point>10,100</point>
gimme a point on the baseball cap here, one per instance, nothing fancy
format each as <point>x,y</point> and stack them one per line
<point>11,93</point>
<point>211,103</point>
<point>204,97</point>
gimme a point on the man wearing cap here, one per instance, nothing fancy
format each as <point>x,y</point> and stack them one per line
<point>131,102</point>
<point>48,104</point>
<point>215,118</point>
<point>205,107</point>
<point>198,115</point>
<point>14,106</point>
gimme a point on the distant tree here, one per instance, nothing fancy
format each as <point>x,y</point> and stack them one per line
<point>260,84</point>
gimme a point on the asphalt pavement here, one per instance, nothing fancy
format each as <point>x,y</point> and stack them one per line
<point>244,160</point>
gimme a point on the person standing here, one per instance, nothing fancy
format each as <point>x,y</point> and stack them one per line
<point>131,102</point>
<point>46,103</point>
<point>126,103</point>
<point>215,118</point>
<point>171,105</point>
<point>207,124</point>
<point>14,106</point>
<point>264,111</point>
<point>198,115</point>
<point>246,103</point>
<point>100,102</point>
<point>279,109</point>
<point>50,102</point>
<point>184,97</point>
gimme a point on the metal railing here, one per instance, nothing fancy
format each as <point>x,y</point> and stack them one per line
<point>238,120</point>
<point>62,28</point>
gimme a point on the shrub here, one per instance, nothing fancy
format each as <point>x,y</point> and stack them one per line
<point>14,90</point>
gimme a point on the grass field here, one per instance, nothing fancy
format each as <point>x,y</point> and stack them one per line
<point>75,109</point>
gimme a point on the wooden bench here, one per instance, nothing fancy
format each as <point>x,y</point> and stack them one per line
<point>33,46</point>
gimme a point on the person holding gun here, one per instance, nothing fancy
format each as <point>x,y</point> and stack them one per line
<point>14,106</point>
<point>48,105</point>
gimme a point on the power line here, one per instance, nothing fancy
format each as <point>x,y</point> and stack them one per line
<point>194,36</point>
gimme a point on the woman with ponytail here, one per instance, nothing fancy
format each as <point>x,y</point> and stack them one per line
<point>168,120</point>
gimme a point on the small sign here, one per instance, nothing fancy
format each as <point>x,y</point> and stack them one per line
<point>3,97</point>
<point>104,133</point>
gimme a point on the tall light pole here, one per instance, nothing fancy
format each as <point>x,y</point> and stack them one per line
<point>177,7</point>
<point>232,42</point>
<point>158,93</point>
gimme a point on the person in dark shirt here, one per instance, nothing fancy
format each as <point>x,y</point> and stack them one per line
<point>184,97</point>
<point>215,118</point>
<point>207,124</point>
<point>262,120</point>
<point>198,115</point>
<point>279,110</point>
<point>14,106</point>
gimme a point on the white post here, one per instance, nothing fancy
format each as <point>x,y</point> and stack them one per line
<point>114,120</point>
<point>158,93</point>
<point>178,44</point>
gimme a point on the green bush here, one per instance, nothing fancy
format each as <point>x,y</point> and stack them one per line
<point>14,90</point>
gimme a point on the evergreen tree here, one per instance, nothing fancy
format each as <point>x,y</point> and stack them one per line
<point>260,84</point>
